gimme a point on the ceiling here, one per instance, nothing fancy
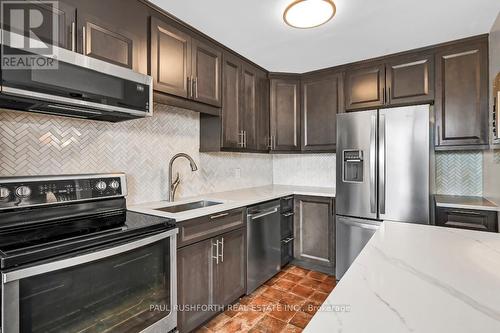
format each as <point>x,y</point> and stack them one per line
<point>361,29</point>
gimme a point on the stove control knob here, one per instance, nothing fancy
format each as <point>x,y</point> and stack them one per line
<point>114,185</point>
<point>100,185</point>
<point>23,191</point>
<point>4,193</point>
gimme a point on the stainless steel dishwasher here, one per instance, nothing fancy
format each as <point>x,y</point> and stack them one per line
<point>263,243</point>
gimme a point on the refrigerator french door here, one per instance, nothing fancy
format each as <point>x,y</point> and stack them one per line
<point>383,173</point>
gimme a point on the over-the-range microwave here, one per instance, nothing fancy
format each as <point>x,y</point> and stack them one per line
<point>67,83</point>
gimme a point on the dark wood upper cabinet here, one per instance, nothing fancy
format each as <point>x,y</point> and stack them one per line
<point>249,106</point>
<point>322,99</point>
<point>105,36</point>
<point>206,72</point>
<point>410,79</point>
<point>285,114</point>
<point>365,87</point>
<point>65,14</point>
<point>462,94</point>
<point>170,59</point>
<point>231,102</point>
<point>263,137</point>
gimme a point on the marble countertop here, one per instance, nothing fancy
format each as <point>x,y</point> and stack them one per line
<point>465,202</point>
<point>231,200</point>
<point>418,278</point>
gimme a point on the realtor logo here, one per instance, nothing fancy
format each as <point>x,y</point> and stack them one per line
<point>30,32</point>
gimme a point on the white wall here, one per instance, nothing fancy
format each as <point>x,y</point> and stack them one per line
<point>491,167</point>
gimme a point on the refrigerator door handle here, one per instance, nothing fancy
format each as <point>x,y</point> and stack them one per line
<point>382,164</point>
<point>373,151</point>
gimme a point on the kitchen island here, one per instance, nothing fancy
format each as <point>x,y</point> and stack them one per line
<point>418,278</point>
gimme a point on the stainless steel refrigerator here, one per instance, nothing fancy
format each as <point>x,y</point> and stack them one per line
<point>384,172</point>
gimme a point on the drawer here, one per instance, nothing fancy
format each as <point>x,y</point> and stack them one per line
<point>467,219</point>
<point>286,251</point>
<point>287,224</point>
<point>286,204</point>
<point>192,231</point>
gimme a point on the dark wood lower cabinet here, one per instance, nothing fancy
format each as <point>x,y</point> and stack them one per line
<point>195,284</point>
<point>479,220</point>
<point>210,272</point>
<point>314,223</point>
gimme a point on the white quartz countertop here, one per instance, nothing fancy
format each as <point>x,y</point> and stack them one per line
<point>418,278</point>
<point>232,199</point>
<point>465,202</point>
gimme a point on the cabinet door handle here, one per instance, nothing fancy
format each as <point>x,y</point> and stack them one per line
<point>383,95</point>
<point>195,88</point>
<point>216,257</point>
<point>84,40</point>
<point>245,139</point>
<point>218,216</point>
<point>73,36</point>
<point>466,212</point>
<point>222,250</point>
<point>288,214</point>
<point>188,87</point>
<point>438,135</point>
<point>388,99</point>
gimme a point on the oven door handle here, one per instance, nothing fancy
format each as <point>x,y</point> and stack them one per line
<point>85,258</point>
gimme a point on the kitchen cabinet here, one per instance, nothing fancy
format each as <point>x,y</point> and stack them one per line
<point>314,223</point>
<point>285,114</point>
<point>184,66</point>
<point>401,80</point>
<point>195,283</point>
<point>322,100</point>
<point>211,265</point>
<point>365,87</point>
<point>462,95</point>
<point>409,79</point>
<point>103,35</point>
<point>245,106</point>
<point>231,270</point>
<point>65,14</point>
<point>470,219</point>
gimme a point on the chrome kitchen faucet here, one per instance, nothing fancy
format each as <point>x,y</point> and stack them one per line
<point>172,185</point>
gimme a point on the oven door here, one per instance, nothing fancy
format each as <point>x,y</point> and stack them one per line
<point>126,288</point>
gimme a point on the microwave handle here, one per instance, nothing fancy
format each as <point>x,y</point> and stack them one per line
<point>85,258</point>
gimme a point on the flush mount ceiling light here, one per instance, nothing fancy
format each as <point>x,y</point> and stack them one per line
<point>305,14</point>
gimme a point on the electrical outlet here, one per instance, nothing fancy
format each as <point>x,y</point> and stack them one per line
<point>237,173</point>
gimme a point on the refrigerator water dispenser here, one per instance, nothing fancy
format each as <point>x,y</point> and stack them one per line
<point>353,166</point>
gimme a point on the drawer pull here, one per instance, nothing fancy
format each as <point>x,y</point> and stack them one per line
<point>288,240</point>
<point>462,212</point>
<point>218,216</point>
<point>288,214</point>
<point>466,225</point>
<point>288,198</point>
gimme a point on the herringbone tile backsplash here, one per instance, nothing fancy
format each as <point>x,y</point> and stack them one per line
<point>459,173</point>
<point>304,170</point>
<point>34,144</point>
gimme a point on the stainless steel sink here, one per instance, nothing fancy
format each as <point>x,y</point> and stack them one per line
<point>188,206</point>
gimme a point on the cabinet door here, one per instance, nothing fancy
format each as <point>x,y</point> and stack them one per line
<point>462,95</point>
<point>65,14</point>
<point>231,114</point>
<point>206,72</point>
<point>285,114</point>
<point>195,283</point>
<point>231,270</point>
<point>106,40</point>
<point>314,230</point>
<point>410,79</point>
<point>263,135</point>
<point>249,106</point>
<point>321,101</point>
<point>170,59</point>
<point>365,87</point>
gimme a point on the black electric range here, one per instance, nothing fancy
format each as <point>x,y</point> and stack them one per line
<point>48,217</point>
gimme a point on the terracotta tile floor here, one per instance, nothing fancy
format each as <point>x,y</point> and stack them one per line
<point>285,303</point>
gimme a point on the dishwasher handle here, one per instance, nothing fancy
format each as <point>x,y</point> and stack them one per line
<point>263,213</point>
